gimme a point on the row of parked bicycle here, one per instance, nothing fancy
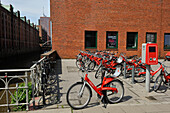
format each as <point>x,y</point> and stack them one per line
<point>109,66</point>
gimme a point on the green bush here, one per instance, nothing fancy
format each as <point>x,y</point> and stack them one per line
<point>22,97</point>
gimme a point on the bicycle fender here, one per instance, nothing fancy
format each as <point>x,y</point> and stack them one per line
<point>87,86</point>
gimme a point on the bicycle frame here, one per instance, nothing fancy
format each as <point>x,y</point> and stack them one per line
<point>100,89</point>
<point>152,73</point>
<point>167,78</point>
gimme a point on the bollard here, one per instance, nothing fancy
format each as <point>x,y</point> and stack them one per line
<point>124,70</point>
<point>133,74</point>
<point>147,83</point>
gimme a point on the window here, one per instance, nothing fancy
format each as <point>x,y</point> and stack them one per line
<point>151,37</point>
<point>90,39</point>
<point>167,41</point>
<point>111,39</point>
<point>132,40</point>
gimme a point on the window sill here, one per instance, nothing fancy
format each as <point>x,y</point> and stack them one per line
<point>166,49</point>
<point>112,49</point>
<point>131,49</point>
<point>91,48</point>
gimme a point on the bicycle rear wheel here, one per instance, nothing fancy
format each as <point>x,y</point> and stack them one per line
<point>114,97</point>
<point>139,78</point>
<point>158,82</point>
<point>78,96</point>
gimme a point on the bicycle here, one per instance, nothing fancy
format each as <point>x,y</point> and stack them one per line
<point>107,63</point>
<point>110,90</point>
<point>139,67</point>
<point>48,72</point>
<point>164,77</point>
<point>142,72</point>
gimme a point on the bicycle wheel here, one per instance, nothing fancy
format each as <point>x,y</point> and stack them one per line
<point>114,97</point>
<point>158,82</point>
<point>76,100</point>
<point>78,64</point>
<point>52,77</point>
<point>98,72</point>
<point>91,66</point>
<point>139,78</point>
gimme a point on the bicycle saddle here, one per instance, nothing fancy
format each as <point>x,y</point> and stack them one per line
<point>117,72</point>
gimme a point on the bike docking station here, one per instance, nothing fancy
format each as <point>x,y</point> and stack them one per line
<point>149,57</point>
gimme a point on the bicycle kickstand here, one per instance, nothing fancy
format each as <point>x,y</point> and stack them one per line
<point>105,102</point>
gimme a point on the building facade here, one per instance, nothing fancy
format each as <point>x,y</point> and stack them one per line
<point>116,25</point>
<point>17,34</point>
<point>42,34</point>
<point>44,22</point>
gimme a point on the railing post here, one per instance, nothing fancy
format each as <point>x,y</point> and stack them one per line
<point>32,79</point>
<point>17,94</point>
<point>26,84</point>
<point>6,88</point>
<point>43,84</point>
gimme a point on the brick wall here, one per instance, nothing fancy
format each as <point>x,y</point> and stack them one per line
<point>70,19</point>
<point>17,35</point>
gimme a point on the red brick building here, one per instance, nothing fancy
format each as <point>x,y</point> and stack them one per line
<point>17,34</point>
<point>117,25</point>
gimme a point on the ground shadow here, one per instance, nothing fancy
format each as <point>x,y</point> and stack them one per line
<point>162,89</point>
<point>126,98</point>
<point>52,93</point>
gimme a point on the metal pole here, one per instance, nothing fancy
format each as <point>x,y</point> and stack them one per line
<point>124,73</point>
<point>26,84</point>
<point>32,79</point>
<point>6,88</point>
<point>147,84</point>
<point>133,74</point>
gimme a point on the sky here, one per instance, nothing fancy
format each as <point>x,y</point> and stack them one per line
<point>32,9</point>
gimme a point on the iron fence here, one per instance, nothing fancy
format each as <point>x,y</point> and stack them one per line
<point>23,75</point>
<point>6,80</point>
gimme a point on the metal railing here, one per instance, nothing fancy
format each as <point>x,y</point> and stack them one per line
<point>34,74</point>
<point>7,80</point>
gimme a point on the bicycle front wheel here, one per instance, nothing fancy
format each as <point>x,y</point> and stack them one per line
<point>78,95</point>
<point>114,97</point>
<point>78,64</point>
<point>158,82</point>
<point>52,77</point>
<point>98,72</point>
<point>91,66</point>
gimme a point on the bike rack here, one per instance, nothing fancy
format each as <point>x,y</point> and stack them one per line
<point>124,70</point>
<point>133,75</point>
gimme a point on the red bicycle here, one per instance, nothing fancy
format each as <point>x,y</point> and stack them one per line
<point>163,77</point>
<point>109,90</point>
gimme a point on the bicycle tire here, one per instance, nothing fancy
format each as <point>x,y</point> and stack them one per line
<point>158,82</point>
<point>139,78</point>
<point>78,64</point>
<point>74,96</point>
<point>98,72</point>
<point>91,66</point>
<point>113,97</point>
<point>52,77</point>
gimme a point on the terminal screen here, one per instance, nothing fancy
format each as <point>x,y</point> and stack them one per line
<point>152,49</point>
